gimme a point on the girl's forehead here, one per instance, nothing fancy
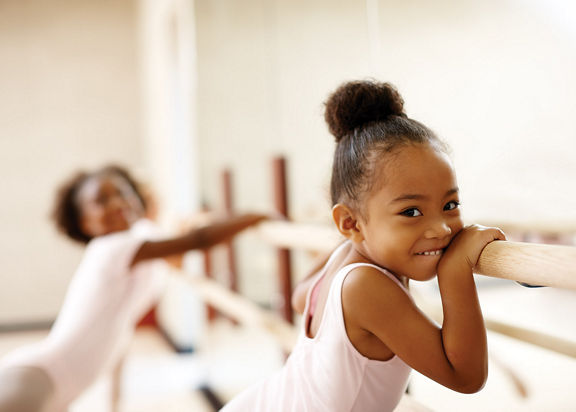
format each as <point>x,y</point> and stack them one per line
<point>416,168</point>
<point>95,184</point>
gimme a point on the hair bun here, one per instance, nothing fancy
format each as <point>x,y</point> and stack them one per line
<point>357,103</point>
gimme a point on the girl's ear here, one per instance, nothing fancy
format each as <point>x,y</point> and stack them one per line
<point>347,223</point>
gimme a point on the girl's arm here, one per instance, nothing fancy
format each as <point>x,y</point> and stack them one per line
<point>463,331</point>
<point>200,238</point>
<point>455,354</point>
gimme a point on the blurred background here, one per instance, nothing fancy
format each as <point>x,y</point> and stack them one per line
<point>178,90</point>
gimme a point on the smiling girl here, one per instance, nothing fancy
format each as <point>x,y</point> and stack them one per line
<point>114,286</point>
<point>396,200</point>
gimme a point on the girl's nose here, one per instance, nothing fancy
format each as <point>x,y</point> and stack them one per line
<point>116,202</point>
<point>438,229</point>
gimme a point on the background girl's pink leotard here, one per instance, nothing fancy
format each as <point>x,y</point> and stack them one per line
<point>104,302</point>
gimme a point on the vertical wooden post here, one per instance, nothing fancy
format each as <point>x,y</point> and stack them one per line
<point>210,311</point>
<point>284,261</point>
<point>230,252</point>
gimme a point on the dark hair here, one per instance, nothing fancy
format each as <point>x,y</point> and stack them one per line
<point>66,214</point>
<point>367,119</point>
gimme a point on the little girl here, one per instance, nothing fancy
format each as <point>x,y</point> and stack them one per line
<point>395,199</point>
<point>114,286</point>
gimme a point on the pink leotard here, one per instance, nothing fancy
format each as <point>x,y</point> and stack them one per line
<point>327,373</point>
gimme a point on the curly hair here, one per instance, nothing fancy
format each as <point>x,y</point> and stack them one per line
<point>367,119</point>
<point>66,213</point>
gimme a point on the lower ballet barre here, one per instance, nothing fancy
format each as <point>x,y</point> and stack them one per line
<point>248,313</point>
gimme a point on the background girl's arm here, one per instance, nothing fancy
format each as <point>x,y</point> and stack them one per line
<point>454,355</point>
<point>200,238</point>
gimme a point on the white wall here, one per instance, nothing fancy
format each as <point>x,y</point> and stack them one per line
<point>496,80</point>
<point>69,99</point>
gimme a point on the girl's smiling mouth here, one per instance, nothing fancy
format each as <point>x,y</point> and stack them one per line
<point>436,252</point>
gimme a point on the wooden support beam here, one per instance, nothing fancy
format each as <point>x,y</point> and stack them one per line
<point>227,191</point>
<point>209,273</point>
<point>284,254</point>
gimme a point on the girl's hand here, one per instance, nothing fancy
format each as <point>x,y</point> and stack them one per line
<point>469,243</point>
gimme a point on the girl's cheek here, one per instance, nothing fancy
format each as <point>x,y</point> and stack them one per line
<point>457,229</point>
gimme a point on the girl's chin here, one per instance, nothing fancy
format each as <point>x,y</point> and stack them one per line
<point>423,277</point>
<point>415,270</point>
<point>423,274</point>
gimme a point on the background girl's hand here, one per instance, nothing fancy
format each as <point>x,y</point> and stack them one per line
<point>469,243</point>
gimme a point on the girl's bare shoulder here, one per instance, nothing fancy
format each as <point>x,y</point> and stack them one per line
<point>368,290</point>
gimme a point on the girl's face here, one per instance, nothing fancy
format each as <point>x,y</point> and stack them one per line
<point>107,203</point>
<point>412,213</point>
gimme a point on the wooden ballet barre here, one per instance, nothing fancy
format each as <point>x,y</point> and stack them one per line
<point>537,264</point>
<point>304,236</point>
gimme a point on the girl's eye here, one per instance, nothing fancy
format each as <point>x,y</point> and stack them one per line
<point>451,205</point>
<point>412,212</point>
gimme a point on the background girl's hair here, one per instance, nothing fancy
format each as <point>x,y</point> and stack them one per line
<point>66,214</point>
<point>367,119</point>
